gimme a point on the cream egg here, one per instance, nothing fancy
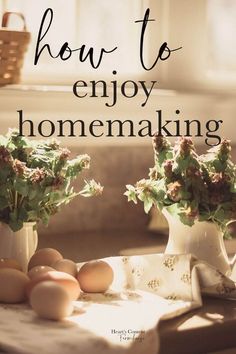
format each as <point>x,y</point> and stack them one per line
<point>69,283</point>
<point>12,285</point>
<point>44,256</point>
<point>50,300</point>
<point>9,263</point>
<point>35,271</point>
<point>66,265</point>
<point>95,277</point>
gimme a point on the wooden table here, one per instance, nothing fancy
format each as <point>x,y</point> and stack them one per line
<point>210,328</point>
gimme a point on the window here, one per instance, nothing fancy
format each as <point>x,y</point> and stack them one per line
<point>204,28</point>
<point>98,23</point>
<point>221,38</point>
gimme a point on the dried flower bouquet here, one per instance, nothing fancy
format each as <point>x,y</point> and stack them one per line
<point>35,179</point>
<point>190,186</point>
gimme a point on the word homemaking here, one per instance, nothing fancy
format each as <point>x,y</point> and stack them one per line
<point>117,128</point>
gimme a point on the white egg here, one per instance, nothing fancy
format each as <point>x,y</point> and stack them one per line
<point>95,277</point>
<point>66,265</point>
<point>44,256</point>
<point>69,283</point>
<point>12,285</point>
<point>37,270</point>
<point>51,301</point>
<point>10,263</point>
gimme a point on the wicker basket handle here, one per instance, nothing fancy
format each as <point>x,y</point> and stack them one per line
<point>7,15</point>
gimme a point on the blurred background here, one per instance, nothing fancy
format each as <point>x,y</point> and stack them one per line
<point>199,80</point>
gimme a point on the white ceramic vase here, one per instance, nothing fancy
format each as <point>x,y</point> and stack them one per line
<point>19,245</point>
<point>204,240</point>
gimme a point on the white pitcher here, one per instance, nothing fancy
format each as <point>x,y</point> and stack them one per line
<point>204,240</point>
<point>19,245</point>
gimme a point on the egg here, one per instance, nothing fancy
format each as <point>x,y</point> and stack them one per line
<point>44,256</point>
<point>35,271</point>
<point>51,301</point>
<point>66,265</point>
<point>9,263</point>
<point>95,277</point>
<point>12,285</point>
<point>69,283</point>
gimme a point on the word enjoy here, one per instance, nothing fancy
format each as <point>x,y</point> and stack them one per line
<point>101,88</point>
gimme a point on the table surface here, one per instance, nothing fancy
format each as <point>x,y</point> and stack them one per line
<point>207,329</point>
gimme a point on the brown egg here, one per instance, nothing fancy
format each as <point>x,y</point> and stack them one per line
<point>95,277</point>
<point>9,263</point>
<point>12,285</point>
<point>50,300</point>
<point>35,271</point>
<point>69,283</point>
<point>44,256</point>
<point>66,265</point>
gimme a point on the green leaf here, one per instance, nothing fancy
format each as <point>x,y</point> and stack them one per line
<point>3,203</point>
<point>32,215</point>
<point>22,214</point>
<point>186,220</point>
<point>131,193</point>
<point>32,193</point>
<point>173,209</point>
<point>21,186</point>
<point>204,216</point>
<point>5,172</point>
<point>14,222</point>
<point>45,216</point>
<point>148,203</point>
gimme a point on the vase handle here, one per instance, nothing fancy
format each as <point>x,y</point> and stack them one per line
<point>233,261</point>
<point>230,222</point>
<point>233,268</point>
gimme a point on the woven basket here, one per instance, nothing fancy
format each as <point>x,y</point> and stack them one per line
<point>13,45</point>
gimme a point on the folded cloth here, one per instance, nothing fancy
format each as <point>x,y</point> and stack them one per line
<point>145,290</point>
